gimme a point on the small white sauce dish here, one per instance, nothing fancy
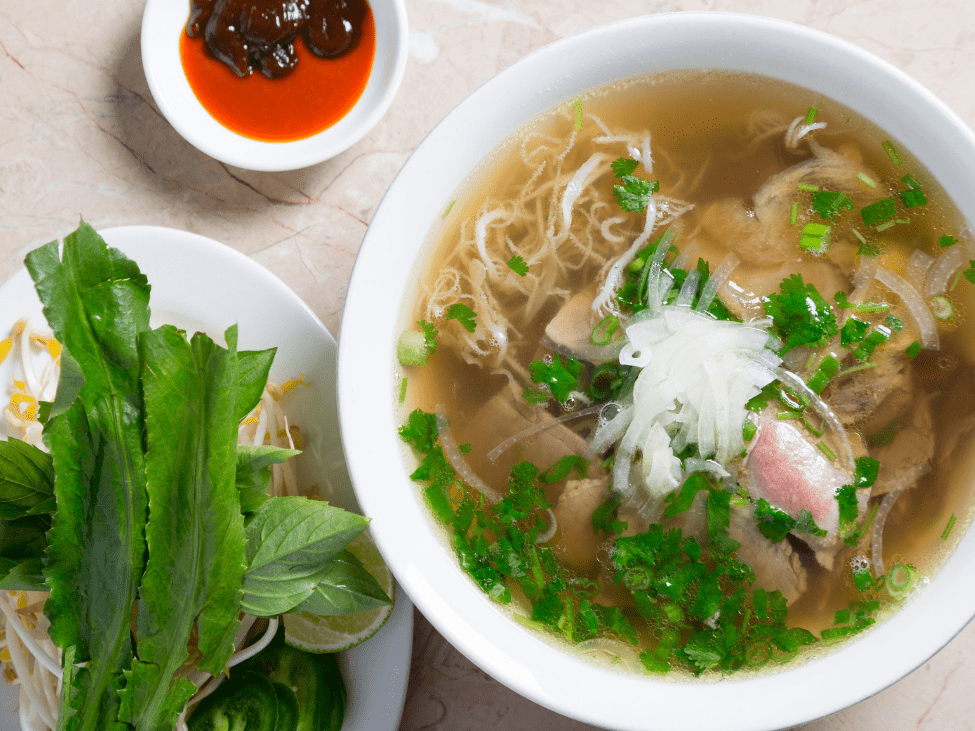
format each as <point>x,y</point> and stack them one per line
<point>368,374</point>
<point>162,23</point>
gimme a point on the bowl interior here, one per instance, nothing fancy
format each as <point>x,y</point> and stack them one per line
<point>162,24</point>
<point>412,544</point>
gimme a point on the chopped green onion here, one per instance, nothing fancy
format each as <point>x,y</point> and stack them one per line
<point>913,198</point>
<point>828,203</point>
<point>815,237</point>
<point>534,396</point>
<point>808,187</point>
<point>748,430</point>
<point>826,450</point>
<point>811,116</point>
<point>870,343</point>
<point>891,224</point>
<point>447,209</point>
<point>808,424</point>
<point>863,239</point>
<point>954,282</point>
<point>827,369</point>
<point>758,653</point>
<point>870,249</point>
<point>900,578</point>
<point>578,111</point>
<point>945,241</point>
<point>947,530</point>
<point>891,152</point>
<point>894,323</point>
<point>402,391</point>
<point>862,578</point>
<point>794,214</point>
<point>866,180</point>
<point>911,182</point>
<point>853,369</point>
<point>913,349</point>
<point>941,307</point>
<point>885,436</point>
<point>602,334</point>
<point>878,212</point>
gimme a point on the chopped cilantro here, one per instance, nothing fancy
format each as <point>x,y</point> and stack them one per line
<point>800,314</point>
<point>420,431</point>
<point>894,323</point>
<point>463,314</point>
<point>869,248</point>
<point>534,396</point>
<point>862,577</point>
<point>563,468</point>
<point>561,377</point>
<point>878,212</point>
<point>853,331</point>
<point>846,498</point>
<point>944,241</point>
<point>866,471</point>
<point>914,349</point>
<point>604,518</point>
<point>776,524</point>
<point>634,193</point>
<point>828,203</point>
<point>844,303</point>
<point>853,620</point>
<point>623,166</point>
<point>970,272</point>
<point>518,265</point>
<point>415,348</point>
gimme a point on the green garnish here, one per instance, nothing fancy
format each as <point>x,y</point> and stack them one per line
<point>415,348</point>
<point>894,323</point>
<point>748,430</point>
<point>870,249</point>
<point>776,524</point>
<point>914,349</point>
<point>828,203</point>
<point>911,182</point>
<point>863,578</point>
<point>827,369</point>
<point>879,336</point>
<point>604,518</point>
<point>865,307</point>
<point>912,198</point>
<point>577,106</point>
<point>810,116</point>
<point>463,314</point>
<point>602,334</point>
<point>944,241</point>
<point>824,448</point>
<point>885,436</point>
<point>878,212</point>
<point>807,187</point>
<point>800,314</point>
<point>853,331</point>
<point>851,621</point>
<point>970,272</point>
<point>891,152</point>
<point>947,531</point>
<point>561,377</point>
<point>446,211</point>
<point>866,180</point>
<point>794,214</point>
<point>518,265</point>
<point>633,195</point>
<point>534,396</point>
<point>402,391</point>
<point>815,237</point>
<point>941,307</point>
<point>899,579</point>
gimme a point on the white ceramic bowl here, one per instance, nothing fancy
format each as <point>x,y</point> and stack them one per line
<point>367,372</point>
<point>163,22</point>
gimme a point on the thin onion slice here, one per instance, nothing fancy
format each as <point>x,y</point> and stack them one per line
<point>453,454</point>
<point>534,429</point>
<point>923,319</point>
<point>877,540</point>
<point>942,270</point>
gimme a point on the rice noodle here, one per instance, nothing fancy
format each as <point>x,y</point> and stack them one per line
<point>798,129</point>
<point>453,454</point>
<point>942,270</point>
<point>877,540</point>
<point>535,428</point>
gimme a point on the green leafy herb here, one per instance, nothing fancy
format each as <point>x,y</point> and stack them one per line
<point>815,237</point>
<point>914,349</point>
<point>560,376</point>
<point>853,331</point>
<point>518,265</point>
<point>415,348</point>
<point>463,314</point>
<point>776,524</point>
<point>633,194</point>
<point>944,241</point>
<point>623,166</point>
<point>604,518</point>
<point>800,314</point>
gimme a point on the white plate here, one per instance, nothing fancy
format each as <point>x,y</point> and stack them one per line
<point>199,284</point>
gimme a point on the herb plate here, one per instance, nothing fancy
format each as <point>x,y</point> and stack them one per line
<point>201,285</point>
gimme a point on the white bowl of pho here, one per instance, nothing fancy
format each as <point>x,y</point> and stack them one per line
<point>655,374</point>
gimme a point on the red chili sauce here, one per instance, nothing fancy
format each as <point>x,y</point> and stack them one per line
<point>278,70</point>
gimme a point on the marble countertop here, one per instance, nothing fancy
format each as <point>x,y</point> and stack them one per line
<point>80,135</point>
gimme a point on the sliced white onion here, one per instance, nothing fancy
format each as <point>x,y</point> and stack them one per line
<point>943,269</point>
<point>553,525</point>
<point>453,454</point>
<point>877,542</point>
<point>923,319</point>
<point>918,265</point>
<point>534,429</point>
<point>715,281</point>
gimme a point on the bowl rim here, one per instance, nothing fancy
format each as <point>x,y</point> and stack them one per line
<point>420,560</point>
<point>163,22</point>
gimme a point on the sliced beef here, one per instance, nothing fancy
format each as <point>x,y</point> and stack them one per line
<point>776,565</point>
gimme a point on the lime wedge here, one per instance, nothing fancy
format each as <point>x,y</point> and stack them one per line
<point>312,633</point>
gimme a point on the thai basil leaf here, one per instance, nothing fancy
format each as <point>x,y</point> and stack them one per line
<point>346,588</point>
<point>195,533</point>
<point>254,473</point>
<point>26,480</point>
<point>96,302</point>
<point>290,541</point>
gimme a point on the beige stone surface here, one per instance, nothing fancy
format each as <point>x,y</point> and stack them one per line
<point>80,135</point>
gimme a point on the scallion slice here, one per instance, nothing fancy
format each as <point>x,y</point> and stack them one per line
<point>815,237</point>
<point>602,334</point>
<point>891,152</point>
<point>947,530</point>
